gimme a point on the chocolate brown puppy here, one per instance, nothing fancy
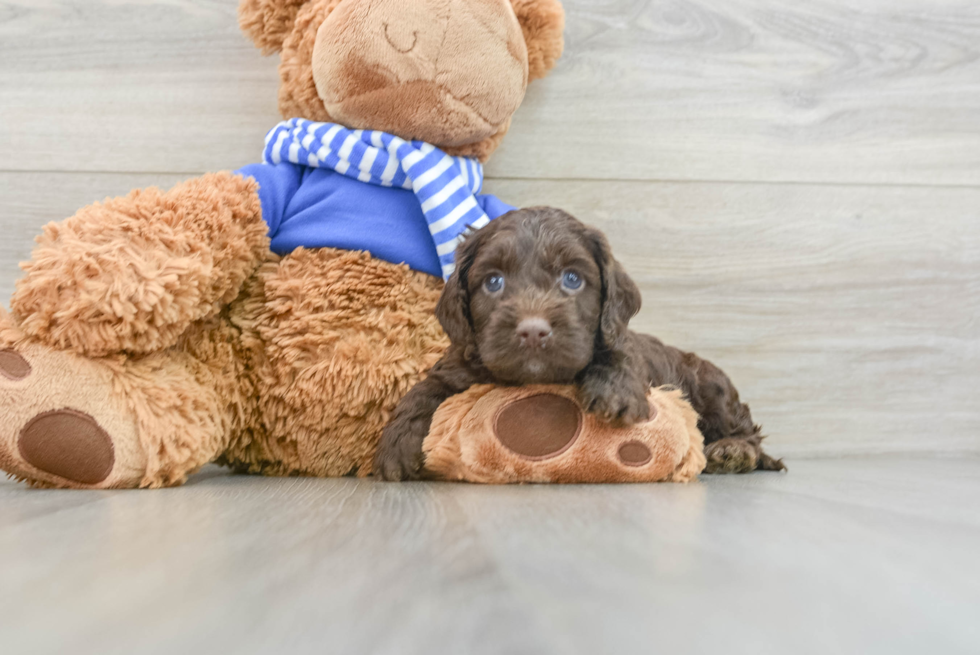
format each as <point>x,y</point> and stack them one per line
<point>537,298</point>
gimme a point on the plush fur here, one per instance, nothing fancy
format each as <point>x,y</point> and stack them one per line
<point>541,23</point>
<point>464,443</point>
<point>132,274</point>
<point>154,333</point>
<point>469,66</point>
<point>334,340</point>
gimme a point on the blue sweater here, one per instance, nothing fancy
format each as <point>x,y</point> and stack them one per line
<point>320,208</point>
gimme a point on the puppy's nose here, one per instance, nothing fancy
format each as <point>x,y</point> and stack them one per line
<point>533,332</point>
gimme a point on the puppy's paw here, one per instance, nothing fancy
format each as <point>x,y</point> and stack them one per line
<point>399,457</point>
<point>625,409</point>
<point>732,456</point>
<point>767,463</point>
<point>616,399</point>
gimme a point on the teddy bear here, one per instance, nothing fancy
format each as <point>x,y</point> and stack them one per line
<point>270,318</point>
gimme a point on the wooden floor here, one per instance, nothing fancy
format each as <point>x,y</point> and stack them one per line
<point>863,555</point>
<point>796,188</point>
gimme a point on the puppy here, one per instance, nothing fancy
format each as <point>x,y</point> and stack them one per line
<point>537,297</point>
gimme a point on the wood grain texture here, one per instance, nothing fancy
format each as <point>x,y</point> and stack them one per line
<point>135,86</point>
<point>846,315</point>
<point>882,91</point>
<point>842,556</point>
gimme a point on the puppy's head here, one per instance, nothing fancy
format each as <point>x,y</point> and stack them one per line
<point>536,294</point>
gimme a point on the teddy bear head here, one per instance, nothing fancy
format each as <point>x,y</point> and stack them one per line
<point>448,72</point>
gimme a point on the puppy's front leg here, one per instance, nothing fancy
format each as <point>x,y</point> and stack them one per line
<point>399,455</point>
<point>614,392</point>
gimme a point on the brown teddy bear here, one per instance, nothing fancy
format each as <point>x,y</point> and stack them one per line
<point>271,318</point>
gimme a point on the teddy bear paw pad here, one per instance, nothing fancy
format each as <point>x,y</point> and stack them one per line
<point>13,366</point>
<point>539,427</point>
<point>634,453</point>
<point>69,444</point>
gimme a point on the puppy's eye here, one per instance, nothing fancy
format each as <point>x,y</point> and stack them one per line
<point>571,281</point>
<point>494,283</point>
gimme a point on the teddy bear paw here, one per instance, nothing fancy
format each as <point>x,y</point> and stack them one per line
<point>61,424</point>
<point>541,434</point>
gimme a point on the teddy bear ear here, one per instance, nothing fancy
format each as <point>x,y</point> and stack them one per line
<point>543,24</point>
<point>268,22</point>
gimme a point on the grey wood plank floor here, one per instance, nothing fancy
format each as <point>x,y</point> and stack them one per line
<point>862,555</point>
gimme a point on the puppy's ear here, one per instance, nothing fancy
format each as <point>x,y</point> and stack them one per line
<point>453,308</point>
<point>268,22</point>
<point>543,22</point>
<point>621,297</point>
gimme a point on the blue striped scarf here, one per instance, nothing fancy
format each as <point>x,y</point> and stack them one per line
<point>445,186</point>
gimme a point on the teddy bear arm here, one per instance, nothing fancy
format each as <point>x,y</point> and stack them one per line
<point>131,274</point>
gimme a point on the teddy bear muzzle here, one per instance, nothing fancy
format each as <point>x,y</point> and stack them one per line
<point>448,72</point>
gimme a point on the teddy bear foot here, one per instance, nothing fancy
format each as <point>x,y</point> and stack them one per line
<point>503,435</point>
<point>61,424</point>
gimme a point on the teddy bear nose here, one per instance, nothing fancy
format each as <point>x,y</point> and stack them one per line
<point>534,332</point>
<point>403,38</point>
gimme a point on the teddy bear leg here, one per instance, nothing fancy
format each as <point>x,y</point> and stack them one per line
<point>133,273</point>
<point>71,421</point>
